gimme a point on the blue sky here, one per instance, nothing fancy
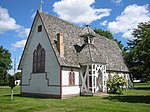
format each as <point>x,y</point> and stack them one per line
<point>118,16</point>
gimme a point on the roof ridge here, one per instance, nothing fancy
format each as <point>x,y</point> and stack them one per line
<point>104,50</point>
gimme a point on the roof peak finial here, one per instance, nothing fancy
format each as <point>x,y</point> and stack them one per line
<point>41,4</point>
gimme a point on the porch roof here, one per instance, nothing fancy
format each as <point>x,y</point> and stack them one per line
<point>90,54</point>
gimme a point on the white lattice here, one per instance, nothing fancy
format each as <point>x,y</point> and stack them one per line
<point>94,79</point>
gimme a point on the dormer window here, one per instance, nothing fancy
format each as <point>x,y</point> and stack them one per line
<point>85,40</point>
<point>88,34</point>
<point>88,40</point>
<point>39,28</point>
<point>91,40</point>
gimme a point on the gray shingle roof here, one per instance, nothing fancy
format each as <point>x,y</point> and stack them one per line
<point>89,54</point>
<point>103,50</point>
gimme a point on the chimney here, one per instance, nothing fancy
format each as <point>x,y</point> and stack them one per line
<point>60,44</point>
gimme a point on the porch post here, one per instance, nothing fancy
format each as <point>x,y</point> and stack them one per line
<point>105,77</point>
<point>94,82</point>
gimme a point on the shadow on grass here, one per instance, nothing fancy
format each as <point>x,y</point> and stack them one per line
<point>142,88</point>
<point>130,99</point>
<point>36,97</point>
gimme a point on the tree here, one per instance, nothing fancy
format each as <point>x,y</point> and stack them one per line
<point>108,35</point>
<point>138,52</point>
<point>5,65</point>
<point>17,76</point>
<point>116,84</point>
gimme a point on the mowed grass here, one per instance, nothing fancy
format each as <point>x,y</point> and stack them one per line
<point>133,100</point>
<point>6,90</point>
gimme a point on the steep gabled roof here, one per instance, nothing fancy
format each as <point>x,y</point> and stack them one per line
<point>103,50</point>
<point>70,33</point>
<point>112,53</point>
<point>90,54</point>
<point>108,49</point>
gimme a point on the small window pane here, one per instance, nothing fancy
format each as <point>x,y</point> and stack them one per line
<point>43,60</point>
<point>90,66</point>
<point>90,72</point>
<point>71,78</point>
<point>34,61</point>
<point>93,72</point>
<point>93,66</point>
<point>40,28</point>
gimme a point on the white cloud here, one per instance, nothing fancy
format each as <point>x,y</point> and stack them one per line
<point>33,15</point>
<point>8,23</point>
<point>23,32</point>
<point>129,19</point>
<point>19,44</point>
<point>79,11</point>
<point>116,1</point>
<point>104,23</point>
<point>128,34</point>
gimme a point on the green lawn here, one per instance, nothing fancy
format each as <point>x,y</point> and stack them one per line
<point>5,90</point>
<point>133,100</point>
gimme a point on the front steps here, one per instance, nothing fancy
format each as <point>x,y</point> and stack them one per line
<point>94,94</point>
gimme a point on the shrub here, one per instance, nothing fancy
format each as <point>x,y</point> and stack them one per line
<point>116,84</point>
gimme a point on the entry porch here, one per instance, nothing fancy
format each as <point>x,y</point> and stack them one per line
<point>93,78</point>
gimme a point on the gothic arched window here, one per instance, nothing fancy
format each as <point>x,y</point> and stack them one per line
<point>71,78</point>
<point>43,60</point>
<point>34,61</point>
<point>39,60</point>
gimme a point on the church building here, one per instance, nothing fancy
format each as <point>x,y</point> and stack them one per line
<point>61,60</point>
